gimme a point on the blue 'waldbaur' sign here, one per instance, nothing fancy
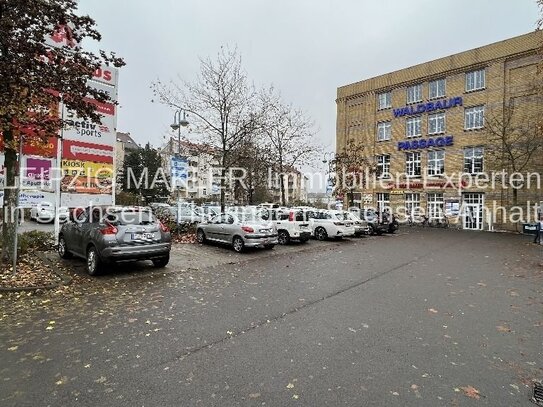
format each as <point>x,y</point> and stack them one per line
<point>428,107</point>
<point>426,143</point>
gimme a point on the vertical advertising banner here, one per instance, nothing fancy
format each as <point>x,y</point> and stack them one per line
<point>179,170</point>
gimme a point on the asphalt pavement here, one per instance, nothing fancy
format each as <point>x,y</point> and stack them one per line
<point>422,318</point>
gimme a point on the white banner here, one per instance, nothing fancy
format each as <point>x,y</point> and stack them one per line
<point>74,200</point>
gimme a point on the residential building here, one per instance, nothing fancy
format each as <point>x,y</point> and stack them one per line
<point>431,123</point>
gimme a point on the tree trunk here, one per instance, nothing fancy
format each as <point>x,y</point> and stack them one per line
<point>223,181</point>
<point>282,184</point>
<point>10,200</point>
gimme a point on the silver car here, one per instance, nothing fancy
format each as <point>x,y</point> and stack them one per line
<point>240,230</point>
<point>105,235</point>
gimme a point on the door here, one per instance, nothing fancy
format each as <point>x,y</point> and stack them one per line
<point>473,211</point>
<point>78,228</point>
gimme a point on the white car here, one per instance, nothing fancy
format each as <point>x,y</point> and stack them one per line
<point>44,212</point>
<point>291,224</point>
<point>330,224</point>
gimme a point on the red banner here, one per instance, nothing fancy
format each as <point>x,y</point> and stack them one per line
<point>79,150</point>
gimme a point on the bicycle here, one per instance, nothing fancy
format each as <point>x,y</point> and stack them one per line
<point>421,221</point>
<point>442,222</point>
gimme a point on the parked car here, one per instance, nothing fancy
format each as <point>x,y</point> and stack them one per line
<point>240,230</point>
<point>361,227</point>
<point>378,224</point>
<point>328,224</point>
<point>105,235</point>
<point>44,212</point>
<point>290,224</point>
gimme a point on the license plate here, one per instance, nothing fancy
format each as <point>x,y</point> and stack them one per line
<point>303,227</point>
<point>265,230</point>
<point>142,236</point>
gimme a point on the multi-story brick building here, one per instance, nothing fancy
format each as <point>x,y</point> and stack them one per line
<point>430,123</point>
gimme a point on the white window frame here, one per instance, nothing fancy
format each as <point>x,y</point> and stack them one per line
<point>412,204</point>
<point>474,117</point>
<point>384,100</point>
<point>475,80</point>
<point>436,205</point>
<point>437,123</point>
<point>436,163</point>
<point>383,201</point>
<point>413,126</point>
<point>437,89</point>
<point>414,94</point>
<point>383,165</point>
<point>474,160</point>
<point>384,131</point>
<point>413,164</point>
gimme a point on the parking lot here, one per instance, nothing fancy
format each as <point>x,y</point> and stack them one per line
<point>421,317</point>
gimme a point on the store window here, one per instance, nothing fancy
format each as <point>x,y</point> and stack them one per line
<point>385,100</point>
<point>413,126</point>
<point>414,94</point>
<point>436,204</point>
<point>474,117</point>
<point>412,164</point>
<point>412,205</point>
<point>475,80</point>
<point>436,162</point>
<point>383,166</point>
<point>436,123</point>
<point>384,131</point>
<point>436,89</point>
<point>473,160</point>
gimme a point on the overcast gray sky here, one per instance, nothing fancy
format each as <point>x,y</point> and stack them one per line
<point>306,48</point>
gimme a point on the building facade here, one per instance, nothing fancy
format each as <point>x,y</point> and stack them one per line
<point>434,131</point>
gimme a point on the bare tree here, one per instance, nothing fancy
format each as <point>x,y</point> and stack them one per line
<point>290,134</point>
<point>517,138</point>
<point>350,169</point>
<point>223,103</point>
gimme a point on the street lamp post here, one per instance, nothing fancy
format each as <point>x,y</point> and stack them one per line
<point>179,122</point>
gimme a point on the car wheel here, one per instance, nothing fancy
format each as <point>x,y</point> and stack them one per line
<point>283,237</point>
<point>238,244</point>
<point>269,246</point>
<point>161,262</point>
<point>62,250</point>
<point>200,236</point>
<point>94,264</point>
<point>320,233</point>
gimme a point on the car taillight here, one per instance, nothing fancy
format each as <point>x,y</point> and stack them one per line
<point>109,230</point>
<point>291,217</point>
<point>247,229</point>
<point>339,223</point>
<point>164,228</point>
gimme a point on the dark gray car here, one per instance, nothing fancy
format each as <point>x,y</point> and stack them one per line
<point>105,235</point>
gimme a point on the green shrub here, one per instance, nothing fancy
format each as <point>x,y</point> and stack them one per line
<point>35,240</point>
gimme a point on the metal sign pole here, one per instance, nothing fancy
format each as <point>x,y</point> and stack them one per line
<point>17,192</point>
<point>58,179</point>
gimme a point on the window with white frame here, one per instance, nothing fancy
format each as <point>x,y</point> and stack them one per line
<point>436,123</point>
<point>436,204</point>
<point>413,126</point>
<point>412,164</point>
<point>383,202</point>
<point>414,94</point>
<point>474,117</point>
<point>384,131</point>
<point>385,100</point>
<point>383,166</point>
<point>473,160</point>
<point>412,204</point>
<point>436,89</point>
<point>475,80</point>
<point>436,162</point>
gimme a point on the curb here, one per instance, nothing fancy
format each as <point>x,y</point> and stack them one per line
<point>64,279</point>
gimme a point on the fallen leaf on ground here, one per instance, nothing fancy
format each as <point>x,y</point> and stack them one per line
<point>13,348</point>
<point>471,392</point>
<point>433,311</point>
<point>502,328</point>
<point>254,395</point>
<point>295,396</point>
<point>290,386</point>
